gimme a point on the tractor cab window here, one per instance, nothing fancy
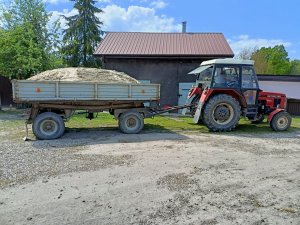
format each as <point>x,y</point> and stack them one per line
<point>205,76</point>
<point>249,79</point>
<point>226,76</point>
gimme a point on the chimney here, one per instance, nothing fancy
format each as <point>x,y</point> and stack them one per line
<point>184,27</point>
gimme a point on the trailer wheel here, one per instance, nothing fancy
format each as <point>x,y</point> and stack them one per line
<point>221,113</point>
<point>131,122</point>
<point>48,125</point>
<point>281,121</point>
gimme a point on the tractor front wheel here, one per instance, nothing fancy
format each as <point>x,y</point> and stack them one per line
<point>281,121</point>
<point>221,113</point>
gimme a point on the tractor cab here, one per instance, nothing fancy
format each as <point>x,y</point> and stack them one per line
<point>228,88</point>
<point>229,74</point>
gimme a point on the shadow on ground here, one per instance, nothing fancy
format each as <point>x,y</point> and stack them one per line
<point>246,129</point>
<point>91,136</point>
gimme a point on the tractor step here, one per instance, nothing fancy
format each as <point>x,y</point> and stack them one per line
<point>251,112</point>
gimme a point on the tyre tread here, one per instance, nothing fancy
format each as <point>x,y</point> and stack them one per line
<point>273,123</point>
<point>207,117</point>
<point>40,118</point>
<point>122,126</point>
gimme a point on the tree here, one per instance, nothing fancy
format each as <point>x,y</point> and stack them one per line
<point>82,35</point>
<point>295,67</point>
<point>246,53</point>
<point>279,60</point>
<point>272,60</point>
<point>26,43</point>
<point>260,58</point>
<point>31,12</point>
<point>20,55</point>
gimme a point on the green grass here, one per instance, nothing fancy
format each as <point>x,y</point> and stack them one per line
<point>169,123</point>
<point>158,123</point>
<point>12,129</point>
<point>245,126</point>
<point>12,125</point>
<point>103,120</point>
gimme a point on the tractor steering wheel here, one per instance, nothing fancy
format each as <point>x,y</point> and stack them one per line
<point>231,84</point>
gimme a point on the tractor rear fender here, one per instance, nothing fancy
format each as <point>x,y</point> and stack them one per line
<point>208,93</point>
<point>272,114</point>
<point>211,92</point>
<point>194,91</point>
<point>235,94</point>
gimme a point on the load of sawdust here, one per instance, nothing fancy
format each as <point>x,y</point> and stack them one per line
<point>85,74</point>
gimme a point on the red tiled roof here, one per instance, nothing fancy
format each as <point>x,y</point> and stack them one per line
<point>164,44</point>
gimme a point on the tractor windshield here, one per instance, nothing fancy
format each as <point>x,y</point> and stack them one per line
<point>205,76</point>
<point>226,76</point>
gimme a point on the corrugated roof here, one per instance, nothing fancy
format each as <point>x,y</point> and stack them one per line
<point>164,44</point>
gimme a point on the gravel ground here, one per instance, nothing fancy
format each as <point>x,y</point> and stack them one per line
<point>105,177</point>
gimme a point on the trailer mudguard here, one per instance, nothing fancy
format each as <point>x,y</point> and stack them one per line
<point>205,95</point>
<point>193,92</point>
<point>197,115</point>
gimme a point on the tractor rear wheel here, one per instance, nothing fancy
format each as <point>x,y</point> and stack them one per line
<point>221,113</point>
<point>281,121</point>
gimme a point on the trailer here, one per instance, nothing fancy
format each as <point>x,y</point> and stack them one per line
<point>54,102</point>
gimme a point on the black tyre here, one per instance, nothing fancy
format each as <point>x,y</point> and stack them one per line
<point>259,119</point>
<point>194,102</point>
<point>281,121</point>
<point>131,122</point>
<point>221,113</point>
<point>48,125</point>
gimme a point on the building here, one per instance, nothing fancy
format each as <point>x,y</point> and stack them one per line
<point>163,58</point>
<point>289,85</point>
<point>5,92</point>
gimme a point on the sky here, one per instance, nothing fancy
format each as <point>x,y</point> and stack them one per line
<point>244,23</point>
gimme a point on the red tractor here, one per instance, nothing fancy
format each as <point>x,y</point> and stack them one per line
<point>227,89</point>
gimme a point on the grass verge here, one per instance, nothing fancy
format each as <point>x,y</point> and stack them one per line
<point>12,124</point>
<point>171,123</point>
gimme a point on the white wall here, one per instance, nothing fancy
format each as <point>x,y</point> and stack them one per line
<point>291,89</point>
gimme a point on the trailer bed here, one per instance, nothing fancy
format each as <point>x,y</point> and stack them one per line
<point>78,91</point>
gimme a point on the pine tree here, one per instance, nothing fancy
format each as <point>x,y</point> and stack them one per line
<point>82,35</point>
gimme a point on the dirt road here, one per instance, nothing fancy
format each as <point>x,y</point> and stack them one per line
<point>104,177</point>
